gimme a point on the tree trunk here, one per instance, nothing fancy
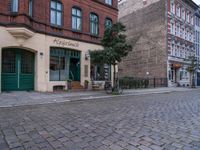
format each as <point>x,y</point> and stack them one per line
<point>114,76</point>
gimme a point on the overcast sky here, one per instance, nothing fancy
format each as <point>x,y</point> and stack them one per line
<point>197,2</point>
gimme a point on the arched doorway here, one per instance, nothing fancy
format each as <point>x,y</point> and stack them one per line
<point>17,70</point>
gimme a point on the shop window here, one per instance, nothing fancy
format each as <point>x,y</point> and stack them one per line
<point>30,8</point>
<point>76,19</point>
<point>57,68</point>
<point>108,23</point>
<point>62,63</point>
<point>58,65</point>
<point>109,2</point>
<point>14,5</point>
<point>100,72</point>
<point>94,24</point>
<point>56,13</point>
<point>181,75</point>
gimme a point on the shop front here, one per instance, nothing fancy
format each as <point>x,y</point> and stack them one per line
<point>178,74</point>
<point>37,62</point>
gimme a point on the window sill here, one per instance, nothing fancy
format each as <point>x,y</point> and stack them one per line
<point>94,36</point>
<point>14,14</point>
<point>56,27</point>
<point>77,31</point>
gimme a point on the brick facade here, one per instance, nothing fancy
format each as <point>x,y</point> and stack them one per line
<point>146,30</point>
<point>40,22</point>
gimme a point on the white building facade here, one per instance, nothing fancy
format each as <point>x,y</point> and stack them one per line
<point>197,42</point>
<point>181,40</point>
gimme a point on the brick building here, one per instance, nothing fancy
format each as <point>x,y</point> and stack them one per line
<point>163,36</point>
<point>43,43</point>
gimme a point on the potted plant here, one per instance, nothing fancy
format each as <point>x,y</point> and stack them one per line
<point>86,83</point>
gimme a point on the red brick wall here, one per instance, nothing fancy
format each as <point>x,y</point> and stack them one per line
<point>41,17</point>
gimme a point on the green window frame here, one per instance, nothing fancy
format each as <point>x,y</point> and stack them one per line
<point>76,19</point>
<point>94,24</point>
<point>56,13</point>
<point>14,6</point>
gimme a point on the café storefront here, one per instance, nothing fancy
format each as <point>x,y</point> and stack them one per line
<point>33,61</point>
<point>178,74</point>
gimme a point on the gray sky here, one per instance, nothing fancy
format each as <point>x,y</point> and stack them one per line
<point>197,2</point>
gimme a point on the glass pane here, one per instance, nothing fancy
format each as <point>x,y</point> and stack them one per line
<point>27,63</point>
<point>91,27</point>
<point>63,71</point>
<point>53,4</point>
<point>14,5</point>
<point>53,17</point>
<point>59,6</point>
<point>96,29</point>
<point>79,23</point>
<point>73,11</point>
<point>8,61</point>
<point>59,18</point>
<point>74,23</point>
<point>91,17</point>
<point>54,68</point>
<point>78,12</point>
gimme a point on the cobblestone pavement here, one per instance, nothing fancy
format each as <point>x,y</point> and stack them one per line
<point>169,121</point>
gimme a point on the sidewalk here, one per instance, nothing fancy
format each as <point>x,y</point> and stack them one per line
<point>34,98</point>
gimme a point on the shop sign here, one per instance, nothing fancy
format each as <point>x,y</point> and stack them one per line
<point>177,66</point>
<point>65,43</point>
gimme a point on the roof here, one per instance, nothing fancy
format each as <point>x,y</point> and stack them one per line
<point>191,3</point>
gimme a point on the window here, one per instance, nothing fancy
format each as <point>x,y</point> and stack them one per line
<point>58,70</point>
<point>14,5</point>
<point>64,64</point>
<point>172,8</point>
<point>172,28</point>
<point>109,2</point>
<point>30,8</point>
<point>108,23</point>
<point>76,19</point>
<point>94,24</point>
<point>178,11</point>
<point>188,17</point>
<point>183,14</point>
<point>100,72</point>
<point>56,13</point>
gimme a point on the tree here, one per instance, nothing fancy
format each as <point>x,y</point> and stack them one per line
<point>114,49</point>
<point>192,68</point>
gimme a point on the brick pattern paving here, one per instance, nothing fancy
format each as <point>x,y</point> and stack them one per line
<point>168,121</point>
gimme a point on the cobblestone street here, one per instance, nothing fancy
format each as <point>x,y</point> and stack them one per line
<point>169,121</point>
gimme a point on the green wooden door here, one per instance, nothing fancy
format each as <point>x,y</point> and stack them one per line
<point>74,69</point>
<point>17,70</point>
